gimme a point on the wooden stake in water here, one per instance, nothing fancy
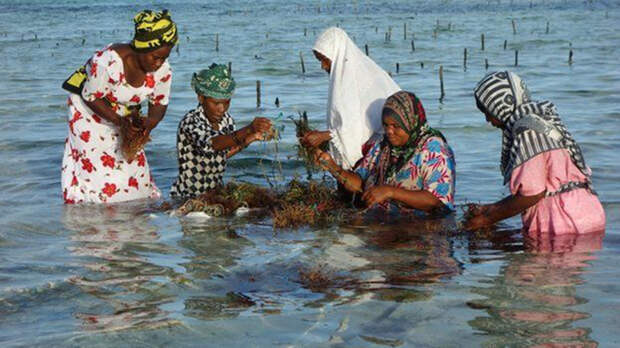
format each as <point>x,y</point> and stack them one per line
<point>570,57</point>
<point>516,57</point>
<point>505,43</point>
<point>443,94</point>
<point>465,59</point>
<point>397,68</point>
<point>482,41</point>
<point>366,48</point>
<point>514,27</point>
<point>486,64</point>
<point>412,46</point>
<point>405,31</point>
<point>217,42</point>
<point>422,65</point>
<point>305,31</point>
<point>277,102</point>
<point>547,31</point>
<point>178,54</point>
<point>230,68</point>
<point>301,59</point>
<point>257,94</point>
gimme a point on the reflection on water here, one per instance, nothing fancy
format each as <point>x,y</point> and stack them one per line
<point>111,242</point>
<point>532,302</point>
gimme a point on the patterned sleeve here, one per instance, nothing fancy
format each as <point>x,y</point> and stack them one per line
<point>438,170</point>
<point>97,84</point>
<point>200,135</point>
<point>163,81</point>
<point>371,151</point>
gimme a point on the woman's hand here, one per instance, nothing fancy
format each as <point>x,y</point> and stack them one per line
<point>131,127</point>
<point>321,158</point>
<point>314,139</point>
<point>377,194</point>
<point>477,217</point>
<point>260,125</point>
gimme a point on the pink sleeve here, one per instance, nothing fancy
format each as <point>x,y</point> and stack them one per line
<point>530,178</point>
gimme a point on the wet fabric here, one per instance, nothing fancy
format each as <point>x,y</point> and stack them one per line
<point>358,88</point>
<point>576,211</point>
<point>93,168</point>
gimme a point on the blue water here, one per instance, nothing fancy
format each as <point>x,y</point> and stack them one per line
<point>116,276</point>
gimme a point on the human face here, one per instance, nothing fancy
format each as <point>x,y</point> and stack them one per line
<point>494,121</point>
<point>395,134</point>
<point>214,108</point>
<point>326,63</point>
<point>153,60</point>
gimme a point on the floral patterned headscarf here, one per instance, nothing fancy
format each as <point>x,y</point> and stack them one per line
<point>215,82</point>
<point>408,112</point>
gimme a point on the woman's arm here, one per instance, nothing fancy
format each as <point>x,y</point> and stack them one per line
<point>103,109</point>
<point>486,215</point>
<point>242,137</point>
<point>350,180</point>
<point>155,115</point>
<point>416,199</point>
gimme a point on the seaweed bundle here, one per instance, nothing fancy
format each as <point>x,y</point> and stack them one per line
<point>300,203</point>
<point>130,146</point>
<point>306,154</point>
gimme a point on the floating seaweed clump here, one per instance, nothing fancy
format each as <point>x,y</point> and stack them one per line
<point>311,203</point>
<point>299,203</point>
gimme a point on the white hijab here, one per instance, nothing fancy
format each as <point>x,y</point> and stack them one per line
<point>358,87</point>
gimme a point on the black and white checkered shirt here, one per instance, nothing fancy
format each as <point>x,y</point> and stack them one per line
<point>200,166</point>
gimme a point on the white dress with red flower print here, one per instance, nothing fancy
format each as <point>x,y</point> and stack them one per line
<point>94,169</point>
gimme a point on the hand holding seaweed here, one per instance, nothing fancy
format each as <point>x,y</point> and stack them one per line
<point>304,150</point>
<point>134,136</point>
<point>476,217</point>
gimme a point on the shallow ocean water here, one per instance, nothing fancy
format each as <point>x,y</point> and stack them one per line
<point>115,276</point>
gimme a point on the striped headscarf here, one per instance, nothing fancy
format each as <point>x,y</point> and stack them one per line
<point>408,112</point>
<point>530,127</point>
<point>153,30</point>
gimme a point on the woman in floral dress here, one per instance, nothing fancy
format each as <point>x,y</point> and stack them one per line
<point>409,169</point>
<point>115,81</point>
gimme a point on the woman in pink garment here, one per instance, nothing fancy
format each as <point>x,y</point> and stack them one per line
<point>549,180</point>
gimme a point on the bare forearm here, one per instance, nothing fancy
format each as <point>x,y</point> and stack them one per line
<point>155,115</point>
<point>228,141</point>
<point>511,206</point>
<point>419,199</point>
<point>350,180</point>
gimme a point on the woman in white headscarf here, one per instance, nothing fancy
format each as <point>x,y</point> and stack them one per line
<point>358,87</point>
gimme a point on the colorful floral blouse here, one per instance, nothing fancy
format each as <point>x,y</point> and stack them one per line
<point>431,169</point>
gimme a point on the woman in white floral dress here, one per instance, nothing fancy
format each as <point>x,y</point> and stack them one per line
<point>116,81</point>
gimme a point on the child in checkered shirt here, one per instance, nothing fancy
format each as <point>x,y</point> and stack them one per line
<point>207,137</point>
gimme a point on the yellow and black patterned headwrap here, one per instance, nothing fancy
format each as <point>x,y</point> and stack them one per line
<point>153,30</point>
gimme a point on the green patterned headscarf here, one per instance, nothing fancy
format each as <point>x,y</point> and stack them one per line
<point>215,82</point>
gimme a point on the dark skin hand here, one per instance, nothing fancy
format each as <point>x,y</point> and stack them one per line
<point>486,215</point>
<point>215,109</point>
<point>136,66</point>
